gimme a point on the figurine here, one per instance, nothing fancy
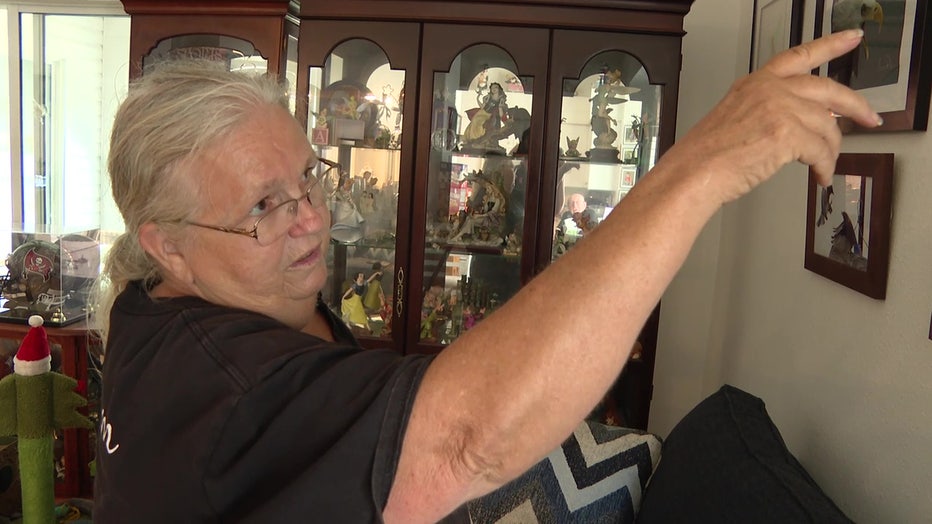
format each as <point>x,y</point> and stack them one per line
<point>386,315</point>
<point>512,244</point>
<point>367,204</point>
<point>472,315</point>
<point>571,145</point>
<point>432,317</point>
<point>323,119</point>
<point>608,92</point>
<point>482,81</point>
<point>347,220</point>
<point>35,401</point>
<point>364,190</point>
<point>374,297</point>
<point>489,116</point>
<point>488,215</point>
<point>367,111</point>
<point>433,299</point>
<point>351,307</point>
<point>385,109</point>
<point>427,324</point>
<point>559,243</point>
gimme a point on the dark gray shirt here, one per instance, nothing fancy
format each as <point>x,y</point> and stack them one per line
<point>215,414</point>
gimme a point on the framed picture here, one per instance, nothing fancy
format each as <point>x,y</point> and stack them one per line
<point>892,67</point>
<point>848,223</point>
<point>777,26</point>
<point>630,136</point>
<point>628,175</point>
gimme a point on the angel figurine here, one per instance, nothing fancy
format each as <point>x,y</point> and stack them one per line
<point>607,93</point>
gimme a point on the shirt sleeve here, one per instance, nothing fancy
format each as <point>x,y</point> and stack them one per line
<point>318,436</point>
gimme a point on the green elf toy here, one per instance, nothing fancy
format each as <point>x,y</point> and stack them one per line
<point>34,402</point>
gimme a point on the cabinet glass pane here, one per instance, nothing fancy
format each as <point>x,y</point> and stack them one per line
<point>235,52</point>
<point>291,70</point>
<point>476,191</point>
<point>608,139</point>
<point>354,118</point>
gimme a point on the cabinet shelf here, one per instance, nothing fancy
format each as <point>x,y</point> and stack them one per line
<point>386,242</point>
<point>586,160</point>
<point>439,247</point>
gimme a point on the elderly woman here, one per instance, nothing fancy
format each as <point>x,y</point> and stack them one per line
<point>232,393</point>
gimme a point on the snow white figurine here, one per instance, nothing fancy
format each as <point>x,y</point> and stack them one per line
<point>374,297</point>
<point>486,118</point>
<point>351,307</point>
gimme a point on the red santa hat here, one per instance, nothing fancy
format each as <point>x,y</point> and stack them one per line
<point>33,357</point>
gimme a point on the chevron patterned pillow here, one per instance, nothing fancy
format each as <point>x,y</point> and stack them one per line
<point>597,475</point>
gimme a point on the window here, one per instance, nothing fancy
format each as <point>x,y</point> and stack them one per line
<point>65,72</point>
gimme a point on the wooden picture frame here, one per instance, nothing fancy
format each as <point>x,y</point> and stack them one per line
<point>848,223</point>
<point>777,26</point>
<point>892,67</point>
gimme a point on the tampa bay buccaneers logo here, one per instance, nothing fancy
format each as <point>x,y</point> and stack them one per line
<point>36,263</point>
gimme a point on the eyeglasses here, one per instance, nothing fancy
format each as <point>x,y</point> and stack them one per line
<point>275,223</point>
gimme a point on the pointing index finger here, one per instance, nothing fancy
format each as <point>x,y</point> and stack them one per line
<point>839,100</point>
<point>804,58</point>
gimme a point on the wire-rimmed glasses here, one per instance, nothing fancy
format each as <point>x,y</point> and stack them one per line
<point>275,223</point>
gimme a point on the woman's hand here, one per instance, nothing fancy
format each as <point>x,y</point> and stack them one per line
<point>774,116</point>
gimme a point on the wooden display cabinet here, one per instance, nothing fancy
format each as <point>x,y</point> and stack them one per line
<point>450,201</point>
<point>228,30</point>
<point>473,192</point>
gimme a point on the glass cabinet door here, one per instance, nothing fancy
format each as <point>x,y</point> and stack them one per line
<point>476,191</point>
<point>478,162</point>
<point>608,140</point>
<point>614,103</point>
<point>355,108</point>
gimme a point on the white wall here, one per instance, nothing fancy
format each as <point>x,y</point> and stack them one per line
<point>846,378</point>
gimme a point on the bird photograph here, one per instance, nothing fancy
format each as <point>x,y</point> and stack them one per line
<point>826,205</point>
<point>845,245</point>
<point>875,62</point>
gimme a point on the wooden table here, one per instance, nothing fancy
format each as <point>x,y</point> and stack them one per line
<point>74,340</point>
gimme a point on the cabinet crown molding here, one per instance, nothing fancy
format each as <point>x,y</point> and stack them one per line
<point>210,7</point>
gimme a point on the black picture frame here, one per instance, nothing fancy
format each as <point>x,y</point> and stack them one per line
<point>848,226</point>
<point>894,64</point>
